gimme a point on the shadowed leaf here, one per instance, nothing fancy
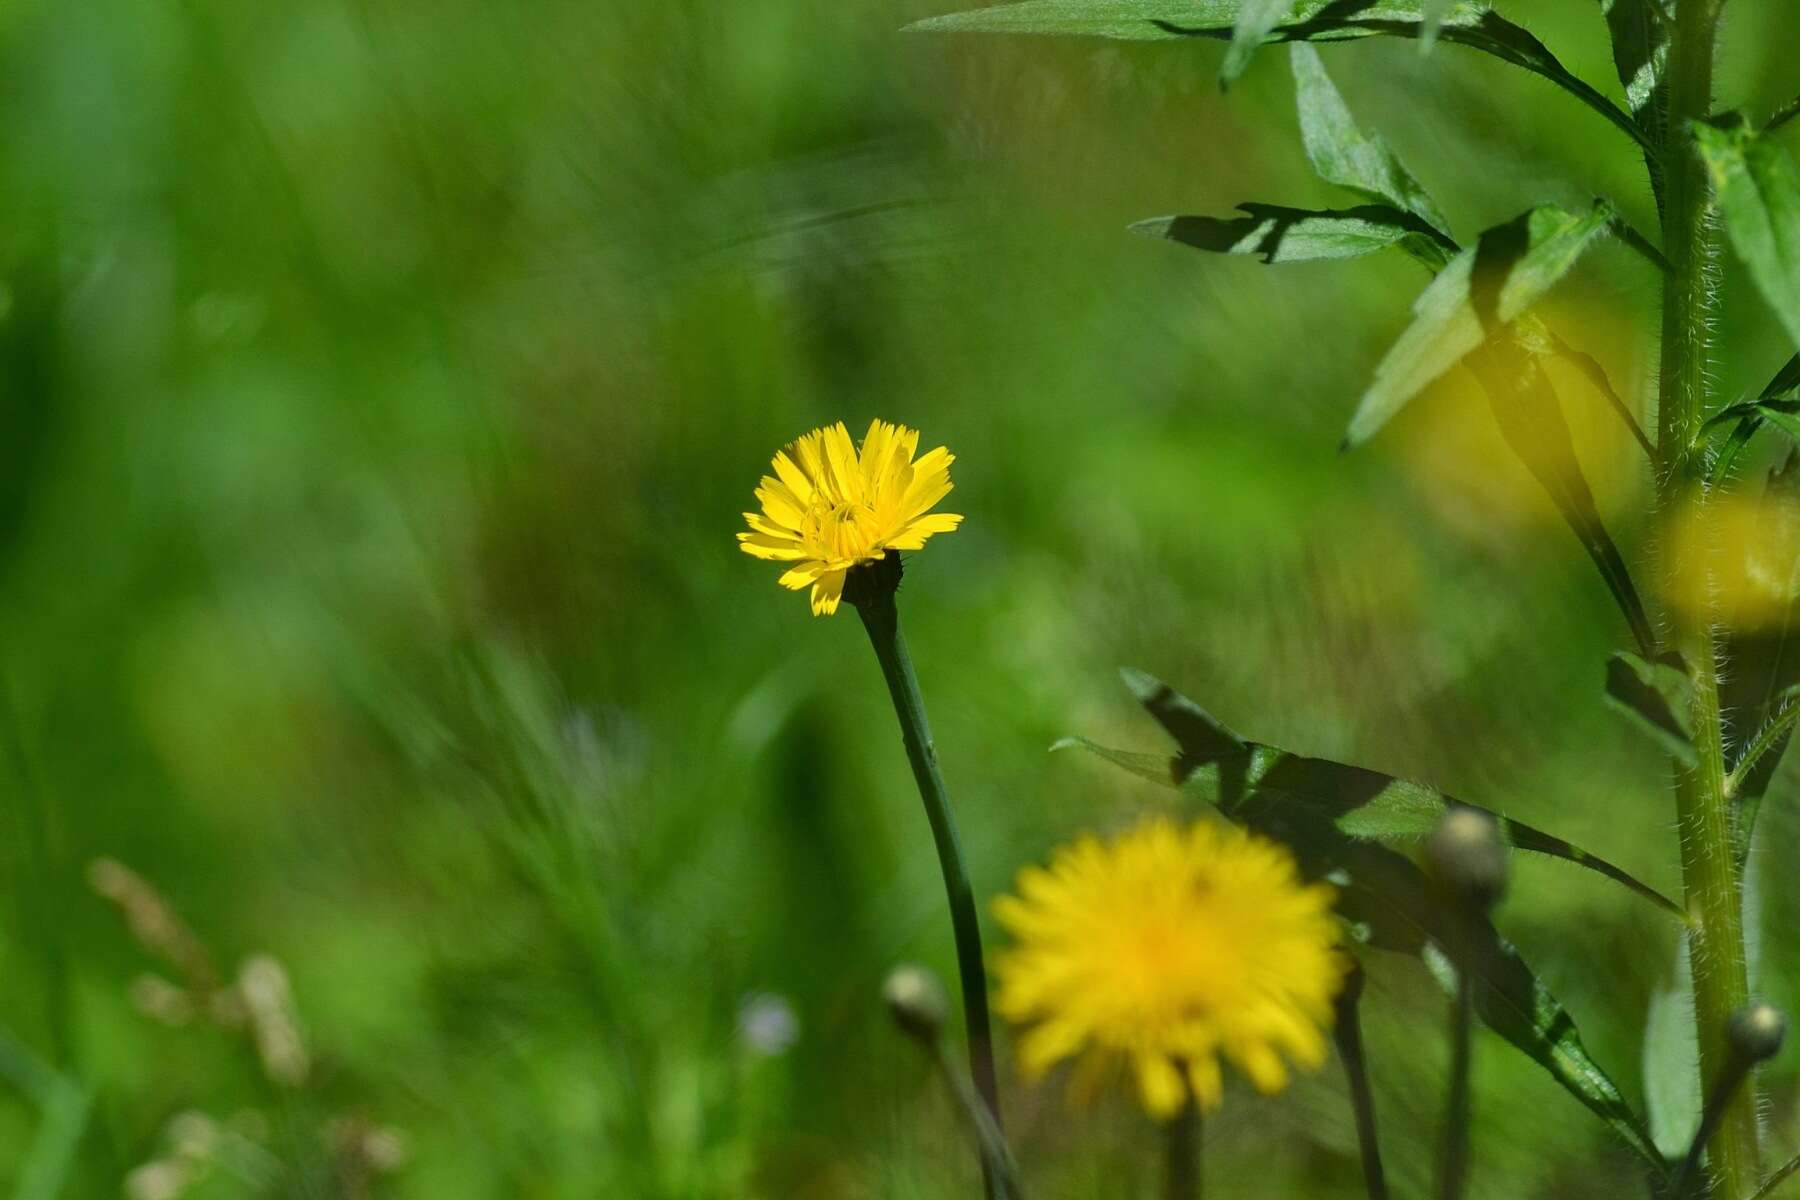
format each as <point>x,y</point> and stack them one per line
<point>1330,814</point>
<point>1483,288</point>
<point>1465,22</point>
<point>1750,417</point>
<point>1282,235</point>
<point>1654,695</point>
<point>1530,417</point>
<point>1759,192</point>
<point>1255,19</point>
<point>1341,152</point>
<point>1640,49</point>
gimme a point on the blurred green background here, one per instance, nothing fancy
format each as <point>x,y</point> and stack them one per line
<point>380,384</point>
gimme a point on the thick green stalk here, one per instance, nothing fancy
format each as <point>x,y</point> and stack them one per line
<point>1703,812</point>
<point>881,618</point>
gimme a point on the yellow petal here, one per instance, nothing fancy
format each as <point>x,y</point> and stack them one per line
<point>1159,1085</point>
<point>761,545</point>
<point>795,479</point>
<point>780,504</point>
<point>913,536</point>
<point>840,456</point>
<point>1208,1085</point>
<point>802,575</point>
<point>1263,1066</point>
<point>827,591</point>
<point>761,524</point>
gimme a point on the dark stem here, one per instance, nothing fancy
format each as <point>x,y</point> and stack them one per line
<point>882,619</point>
<point>1348,1034</point>
<point>1453,1168</point>
<point>1710,1117</point>
<point>1183,1176</point>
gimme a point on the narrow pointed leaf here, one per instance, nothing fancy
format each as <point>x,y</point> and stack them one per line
<point>1360,803</point>
<point>1749,417</point>
<point>1640,47</point>
<point>1255,19</point>
<point>1466,23</point>
<point>1343,153</point>
<point>1782,413</point>
<point>1758,189</point>
<point>1329,814</point>
<point>1311,20</point>
<point>1283,235</point>
<point>1484,288</point>
<point>1590,369</point>
<point>1654,695</point>
<point>1530,417</point>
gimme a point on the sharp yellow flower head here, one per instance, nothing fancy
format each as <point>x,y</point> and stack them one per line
<point>832,505</point>
<point>1169,948</point>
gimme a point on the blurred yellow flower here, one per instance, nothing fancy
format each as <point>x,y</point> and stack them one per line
<point>1168,948</point>
<point>1749,548</point>
<point>831,506</point>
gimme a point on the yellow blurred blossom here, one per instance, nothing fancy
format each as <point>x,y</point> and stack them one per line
<point>1170,948</point>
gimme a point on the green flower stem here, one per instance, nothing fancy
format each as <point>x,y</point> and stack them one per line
<point>1703,812</point>
<point>1183,1179</point>
<point>992,1142</point>
<point>1347,1032</point>
<point>1453,1164</point>
<point>875,604</point>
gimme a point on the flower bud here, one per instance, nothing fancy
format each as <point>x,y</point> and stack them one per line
<point>1757,1030</point>
<point>1468,856</point>
<point>917,1002</point>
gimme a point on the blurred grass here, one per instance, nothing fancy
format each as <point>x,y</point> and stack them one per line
<point>381,382</point>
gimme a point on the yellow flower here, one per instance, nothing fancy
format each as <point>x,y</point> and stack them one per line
<point>831,506</point>
<point>1168,948</point>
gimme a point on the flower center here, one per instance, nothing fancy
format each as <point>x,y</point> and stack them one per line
<point>846,529</point>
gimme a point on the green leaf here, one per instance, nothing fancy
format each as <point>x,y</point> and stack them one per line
<point>1654,695</point>
<point>1640,47</point>
<point>1359,803</point>
<point>1139,20</point>
<point>1342,153</point>
<point>1484,288</point>
<point>1750,418</point>
<point>1530,417</point>
<point>1329,814</point>
<point>1282,235</point>
<point>1255,19</point>
<point>1590,369</point>
<point>1782,412</point>
<point>1672,1095</point>
<point>1465,22</point>
<point>1759,193</point>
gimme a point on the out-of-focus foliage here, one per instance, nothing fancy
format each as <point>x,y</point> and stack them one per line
<point>380,382</point>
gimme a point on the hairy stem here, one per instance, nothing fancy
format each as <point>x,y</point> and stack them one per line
<point>1709,871</point>
<point>881,618</point>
